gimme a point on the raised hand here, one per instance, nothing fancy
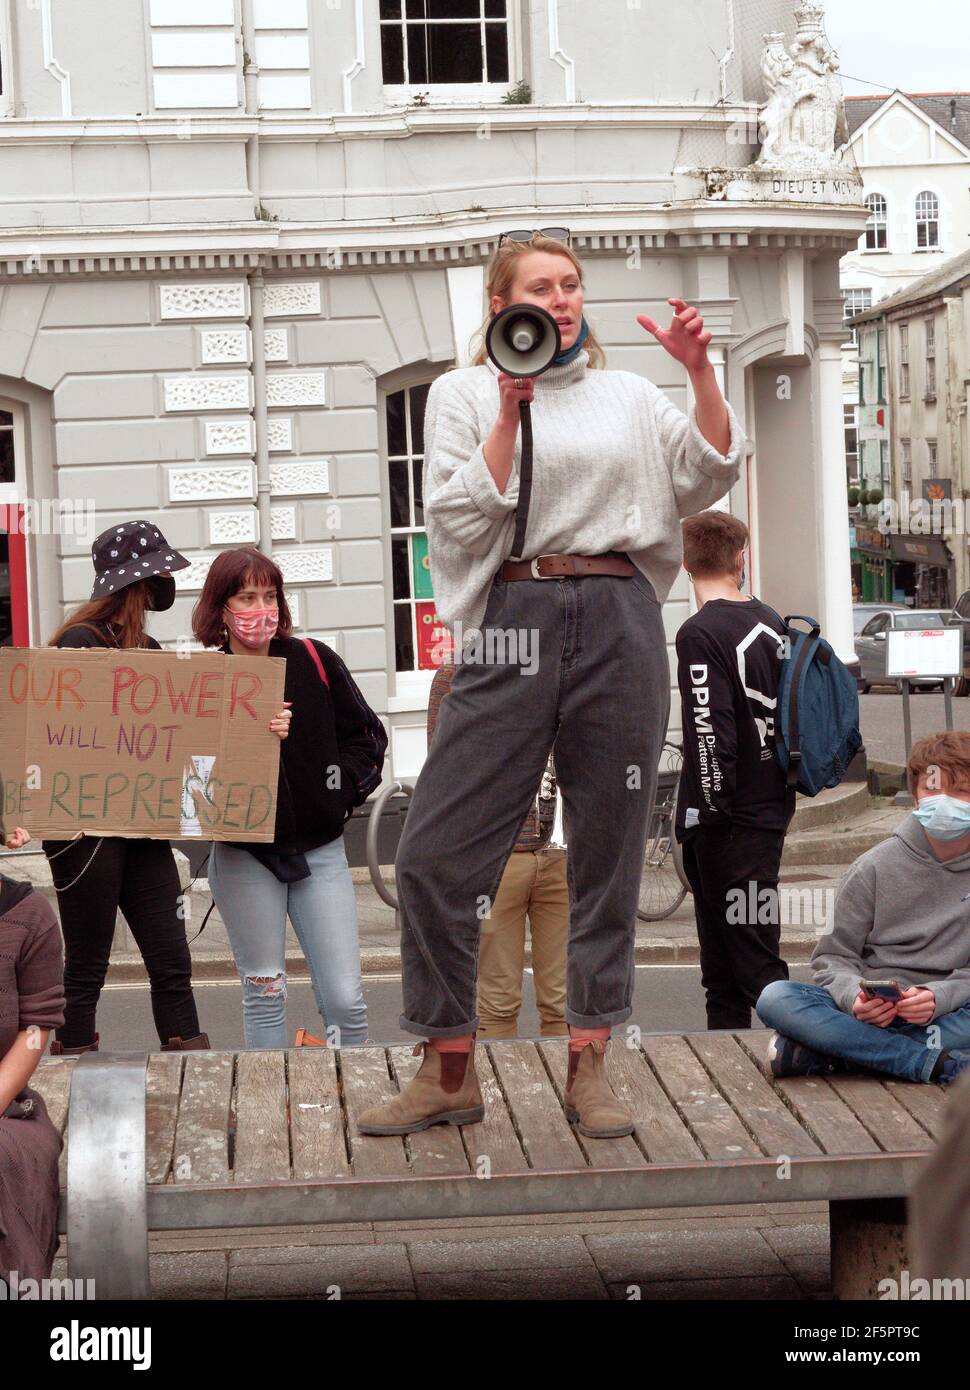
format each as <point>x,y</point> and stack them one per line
<point>685,339</point>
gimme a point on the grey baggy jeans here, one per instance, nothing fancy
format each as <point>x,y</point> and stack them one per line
<point>588,672</point>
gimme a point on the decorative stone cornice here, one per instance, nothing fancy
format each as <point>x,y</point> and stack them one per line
<point>394,123</point>
<point>178,249</point>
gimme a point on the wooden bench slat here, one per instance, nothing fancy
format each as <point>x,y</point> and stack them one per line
<point>365,1081</point>
<point>535,1109</point>
<point>661,1131</point>
<point>262,1149</point>
<point>202,1133</point>
<point>435,1151</point>
<point>163,1086</point>
<point>760,1108</point>
<point>318,1146</point>
<point>881,1113</point>
<point>600,1153</point>
<point>925,1103</point>
<point>816,1106</point>
<point>711,1120</point>
<point>495,1138</point>
<point>52,1080</point>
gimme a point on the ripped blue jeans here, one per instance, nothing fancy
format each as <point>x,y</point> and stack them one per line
<point>254,906</point>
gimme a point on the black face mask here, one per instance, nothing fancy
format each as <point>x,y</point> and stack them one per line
<point>161,592</point>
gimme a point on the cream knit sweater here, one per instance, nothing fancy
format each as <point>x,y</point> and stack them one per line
<point>615,466</point>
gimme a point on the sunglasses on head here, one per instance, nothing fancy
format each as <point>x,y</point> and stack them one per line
<point>524,234</point>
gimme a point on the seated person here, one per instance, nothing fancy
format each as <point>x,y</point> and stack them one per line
<point>901,914</point>
<point>31,1005</point>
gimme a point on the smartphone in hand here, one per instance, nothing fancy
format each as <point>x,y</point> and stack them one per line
<point>881,989</point>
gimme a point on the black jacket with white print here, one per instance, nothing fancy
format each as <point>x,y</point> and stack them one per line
<point>728,666</point>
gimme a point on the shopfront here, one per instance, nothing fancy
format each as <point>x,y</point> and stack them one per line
<point>923,571</point>
<point>871,562</point>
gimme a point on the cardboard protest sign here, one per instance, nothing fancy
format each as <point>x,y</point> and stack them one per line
<point>139,743</point>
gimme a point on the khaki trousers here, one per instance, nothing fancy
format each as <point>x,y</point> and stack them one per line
<point>533,885</point>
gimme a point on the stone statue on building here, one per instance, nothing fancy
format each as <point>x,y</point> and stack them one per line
<point>804,119</point>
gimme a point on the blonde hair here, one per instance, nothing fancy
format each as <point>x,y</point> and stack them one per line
<point>500,276</point>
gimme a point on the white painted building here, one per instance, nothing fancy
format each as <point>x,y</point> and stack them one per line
<point>913,152</point>
<point>239,239</point>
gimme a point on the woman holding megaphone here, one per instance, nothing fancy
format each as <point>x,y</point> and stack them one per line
<point>566,645</point>
<point>96,875</point>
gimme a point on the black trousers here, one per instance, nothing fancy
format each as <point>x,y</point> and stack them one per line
<point>734,878</point>
<point>139,877</point>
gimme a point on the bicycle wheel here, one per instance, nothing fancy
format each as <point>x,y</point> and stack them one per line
<point>662,883</point>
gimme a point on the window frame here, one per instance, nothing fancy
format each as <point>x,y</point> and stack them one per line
<point>906,460</point>
<point>7,104</point>
<point>458,93</point>
<point>904,382</point>
<point>927,221</point>
<point>866,291</point>
<point>929,331</point>
<point>13,495</point>
<point>408,691</point>
<point>874,222</point>
<point>850,426</point>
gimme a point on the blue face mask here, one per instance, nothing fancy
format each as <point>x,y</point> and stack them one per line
<point>943,817</point>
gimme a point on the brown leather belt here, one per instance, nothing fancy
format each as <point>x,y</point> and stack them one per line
<point>567,566</point>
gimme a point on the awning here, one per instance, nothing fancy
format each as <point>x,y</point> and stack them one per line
<point>920,550</point>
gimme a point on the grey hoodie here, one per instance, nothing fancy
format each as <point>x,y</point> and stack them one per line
<point>900,914</point>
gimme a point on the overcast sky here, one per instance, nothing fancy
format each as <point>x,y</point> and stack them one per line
<point>921,47</point>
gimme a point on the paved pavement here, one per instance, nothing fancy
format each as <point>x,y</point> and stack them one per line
<point>881,721</point>
<point>777,1251</point>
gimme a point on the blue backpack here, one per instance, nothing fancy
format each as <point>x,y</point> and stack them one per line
<point>817,729</point>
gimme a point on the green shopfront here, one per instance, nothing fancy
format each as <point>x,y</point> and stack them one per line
<point>872,565</point>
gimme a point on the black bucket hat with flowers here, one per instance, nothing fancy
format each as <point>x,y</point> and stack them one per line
<point>131,551</point>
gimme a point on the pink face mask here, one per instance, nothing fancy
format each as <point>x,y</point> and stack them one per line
<point>255,626</point>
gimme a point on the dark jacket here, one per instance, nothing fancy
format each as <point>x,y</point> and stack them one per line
<point>728,668</point>
<point>82,636</point>
<point>335,738</point>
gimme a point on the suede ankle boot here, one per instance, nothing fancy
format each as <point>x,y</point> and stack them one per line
<point>589,1101</point>
<point>59,1050</point>
<point>199,1044</point>
<point>445,1091</point>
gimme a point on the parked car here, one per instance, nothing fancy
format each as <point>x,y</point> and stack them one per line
<point>862,612</point>
<point>870,644</point>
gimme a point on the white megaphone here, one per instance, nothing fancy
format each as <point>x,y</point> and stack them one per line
<point>523,340</point>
